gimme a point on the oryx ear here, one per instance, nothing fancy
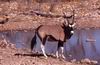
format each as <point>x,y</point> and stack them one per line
<point>65,22</point>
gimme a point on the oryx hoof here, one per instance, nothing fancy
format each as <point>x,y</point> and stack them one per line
<point>46,57</point>
<point>57,56</point>
<point>63,57</point>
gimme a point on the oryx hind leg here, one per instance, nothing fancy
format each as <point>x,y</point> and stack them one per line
<point>43,51</point>
<point>43,47</point>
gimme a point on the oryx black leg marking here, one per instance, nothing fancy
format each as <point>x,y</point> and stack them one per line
<point>60,47</point>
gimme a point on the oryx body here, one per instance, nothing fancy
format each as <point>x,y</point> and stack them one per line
<point>57,32</point>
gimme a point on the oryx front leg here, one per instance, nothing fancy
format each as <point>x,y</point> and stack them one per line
<point>57,54</point>
<point>43,50</point>
<point>62,52</point>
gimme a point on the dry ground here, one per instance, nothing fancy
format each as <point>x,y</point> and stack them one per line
<point>9,55</point>
<point>21,16</point>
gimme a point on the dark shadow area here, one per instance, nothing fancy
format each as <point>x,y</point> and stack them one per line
<point>33,55</point>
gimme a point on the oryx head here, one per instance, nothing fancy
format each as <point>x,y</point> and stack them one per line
<point>69,22</point>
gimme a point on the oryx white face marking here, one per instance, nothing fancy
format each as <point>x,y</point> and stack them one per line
<point>72,25</point>
<point>72,32</point>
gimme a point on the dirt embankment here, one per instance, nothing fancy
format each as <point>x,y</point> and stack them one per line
<point>9,55</point>
<point>19,15</point>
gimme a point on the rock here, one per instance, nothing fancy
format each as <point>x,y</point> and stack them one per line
<point>14,6</point>
<point>90,40</point>
<point>73,60</point>
<point>94,62</point>
<point>3,44</point>
<point>4,19</point>
<point>86,60</point>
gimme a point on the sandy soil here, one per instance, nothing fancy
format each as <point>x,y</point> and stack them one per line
<point>9,55</point>
<point>19,14</point>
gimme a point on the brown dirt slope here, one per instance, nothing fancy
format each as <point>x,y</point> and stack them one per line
<point>19,15</point>
<point>9,55</point>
